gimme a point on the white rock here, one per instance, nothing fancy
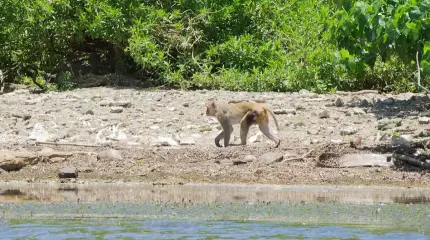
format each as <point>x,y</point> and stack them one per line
<point>256,138</point>
<point>164,141</point>
<point>39,133</point>
<point>348,130</point>
<point>358,111</point>
<point>187,141</point>
<point>423,120</point>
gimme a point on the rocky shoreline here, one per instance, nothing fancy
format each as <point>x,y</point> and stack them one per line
<point>162,137</point>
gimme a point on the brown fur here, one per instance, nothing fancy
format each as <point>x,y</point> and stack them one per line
<point>245,113</point>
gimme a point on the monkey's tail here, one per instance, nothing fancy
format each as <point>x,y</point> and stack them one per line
<point>273,116</point>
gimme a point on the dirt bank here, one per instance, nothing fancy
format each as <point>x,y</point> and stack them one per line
<point>133,121</point>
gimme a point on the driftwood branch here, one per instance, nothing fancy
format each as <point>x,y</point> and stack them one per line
<point>412,161</point>
<point>419,74</point>
<point>67,144</point>
<point>301,157</point>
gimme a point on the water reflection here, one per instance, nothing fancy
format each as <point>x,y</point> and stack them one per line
<point>36,192</point>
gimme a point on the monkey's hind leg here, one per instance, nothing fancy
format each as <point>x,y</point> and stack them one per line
<point>264,128</point>
<point>245,123</point>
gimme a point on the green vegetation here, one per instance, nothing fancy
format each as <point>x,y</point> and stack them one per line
<point>268,45</point>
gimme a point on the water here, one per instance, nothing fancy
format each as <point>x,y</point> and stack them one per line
<point>171,229</point>
<point>129,211</point>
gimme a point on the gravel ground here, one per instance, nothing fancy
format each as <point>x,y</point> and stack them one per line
<point>164,137</point>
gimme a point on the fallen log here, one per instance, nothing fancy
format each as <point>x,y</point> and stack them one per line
<point>412,161</point>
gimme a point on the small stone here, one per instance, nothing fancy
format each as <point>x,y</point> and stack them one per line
<point>22,116</point>
<point>285,111</point>
<point>56,159</point>
<point>256,138</point>
<point>339,102</point>
<point>423,120</point>
<point>299,107</point>
<point>181,113</point>
<point>187,141</point>
<point>157,98</point>
<point>348,131</point>
<point>304,92</point>
<point>110,154</point>
<point>389,101</point>
<point>205,128</point>
<point>324,114</point>
<point>271,157</point>
<point>164,141</point>
<point>364,103</point>
<point>154,127</point>
<point>172,109</point>
<point>124,104</point>
<point>68,172</point>
<point>393,122</point>
<point>312,131</point>
<point>358,111</point>
<point>186,104</point>
<point>224,162</point>
<point>116,110</point>
<point>89,112</point>
<point>249,158</point>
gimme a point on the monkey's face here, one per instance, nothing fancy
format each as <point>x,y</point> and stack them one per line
<point>211,109</point>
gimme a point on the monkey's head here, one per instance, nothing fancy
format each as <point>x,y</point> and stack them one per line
<point>211,108</point>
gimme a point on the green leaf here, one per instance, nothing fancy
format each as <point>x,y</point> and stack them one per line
<point>426,47</point>
<point>425,65</point>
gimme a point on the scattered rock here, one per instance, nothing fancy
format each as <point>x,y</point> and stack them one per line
<point>349,130</point>
<point>423,120</point>
<point>68,172</point>
<point>89,112</point>
<point>48,154</point>
<point>304,91</point>
<point>324,114</point>
<point>313,131</point>
<point>224,161</point>
<point>164,141</point>
<point>157,98</point>
<point>187,141</point>
<point>389,101</point>
<point>256,138</point>
<point>109,155</point>
<point>386,122</point>
<point>39,133</point>
<point>271,157</point>
<point>15,160</point>
<point>249,158</point>
<point>23,116</point>
<point>186,104</point>
<point>364,160</point>
<point>123,104</point>
<point>403,140</point>
<point>364,103</point>
<point>358,111</point>
<point>205,128</point>
<point>116,110</point>
<point>285,111</point>
<point>338,102</point>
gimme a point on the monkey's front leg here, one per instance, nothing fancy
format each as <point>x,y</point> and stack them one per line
<point>218,138</point>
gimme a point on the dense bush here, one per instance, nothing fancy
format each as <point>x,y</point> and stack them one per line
<point>268,45</point>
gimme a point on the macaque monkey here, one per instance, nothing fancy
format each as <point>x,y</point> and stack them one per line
<point>245,113</point>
